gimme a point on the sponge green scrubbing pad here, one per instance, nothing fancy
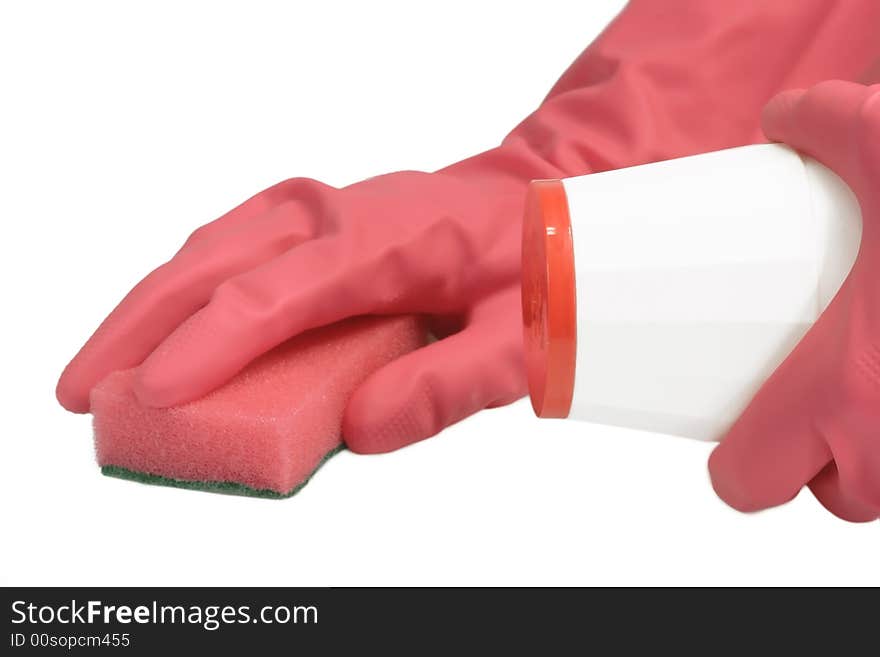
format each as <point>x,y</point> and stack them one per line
<point>263,433</point>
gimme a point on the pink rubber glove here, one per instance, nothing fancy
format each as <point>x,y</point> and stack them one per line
<point>817,418</point>
<point>667,78</point>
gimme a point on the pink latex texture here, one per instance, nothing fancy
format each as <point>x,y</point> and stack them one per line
<point>816,420</point>
<point>666,79</point>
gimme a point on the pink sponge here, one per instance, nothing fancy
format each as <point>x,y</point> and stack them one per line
<point>264,432</point>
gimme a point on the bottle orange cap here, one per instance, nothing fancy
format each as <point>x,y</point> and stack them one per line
<point>549,302</point>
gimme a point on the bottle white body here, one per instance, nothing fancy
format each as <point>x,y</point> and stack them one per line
<point>696,277</point>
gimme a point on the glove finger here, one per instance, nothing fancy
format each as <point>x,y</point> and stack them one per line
<point>169,295</point>
<point>251,313</point>
<point>420,393</point>
<point>852,431</point>
<point>826,488</point>
<point>821,122</point>
<point>773,449</point>
<point>352,270</point>
<point>287,193</point>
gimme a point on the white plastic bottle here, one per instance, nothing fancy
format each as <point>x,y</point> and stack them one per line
<point>662,296</point>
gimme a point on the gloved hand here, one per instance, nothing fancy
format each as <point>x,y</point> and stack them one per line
<point>817,418</point>
<point>666,79</point>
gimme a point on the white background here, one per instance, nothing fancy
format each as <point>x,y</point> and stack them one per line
<point>123,127</point>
